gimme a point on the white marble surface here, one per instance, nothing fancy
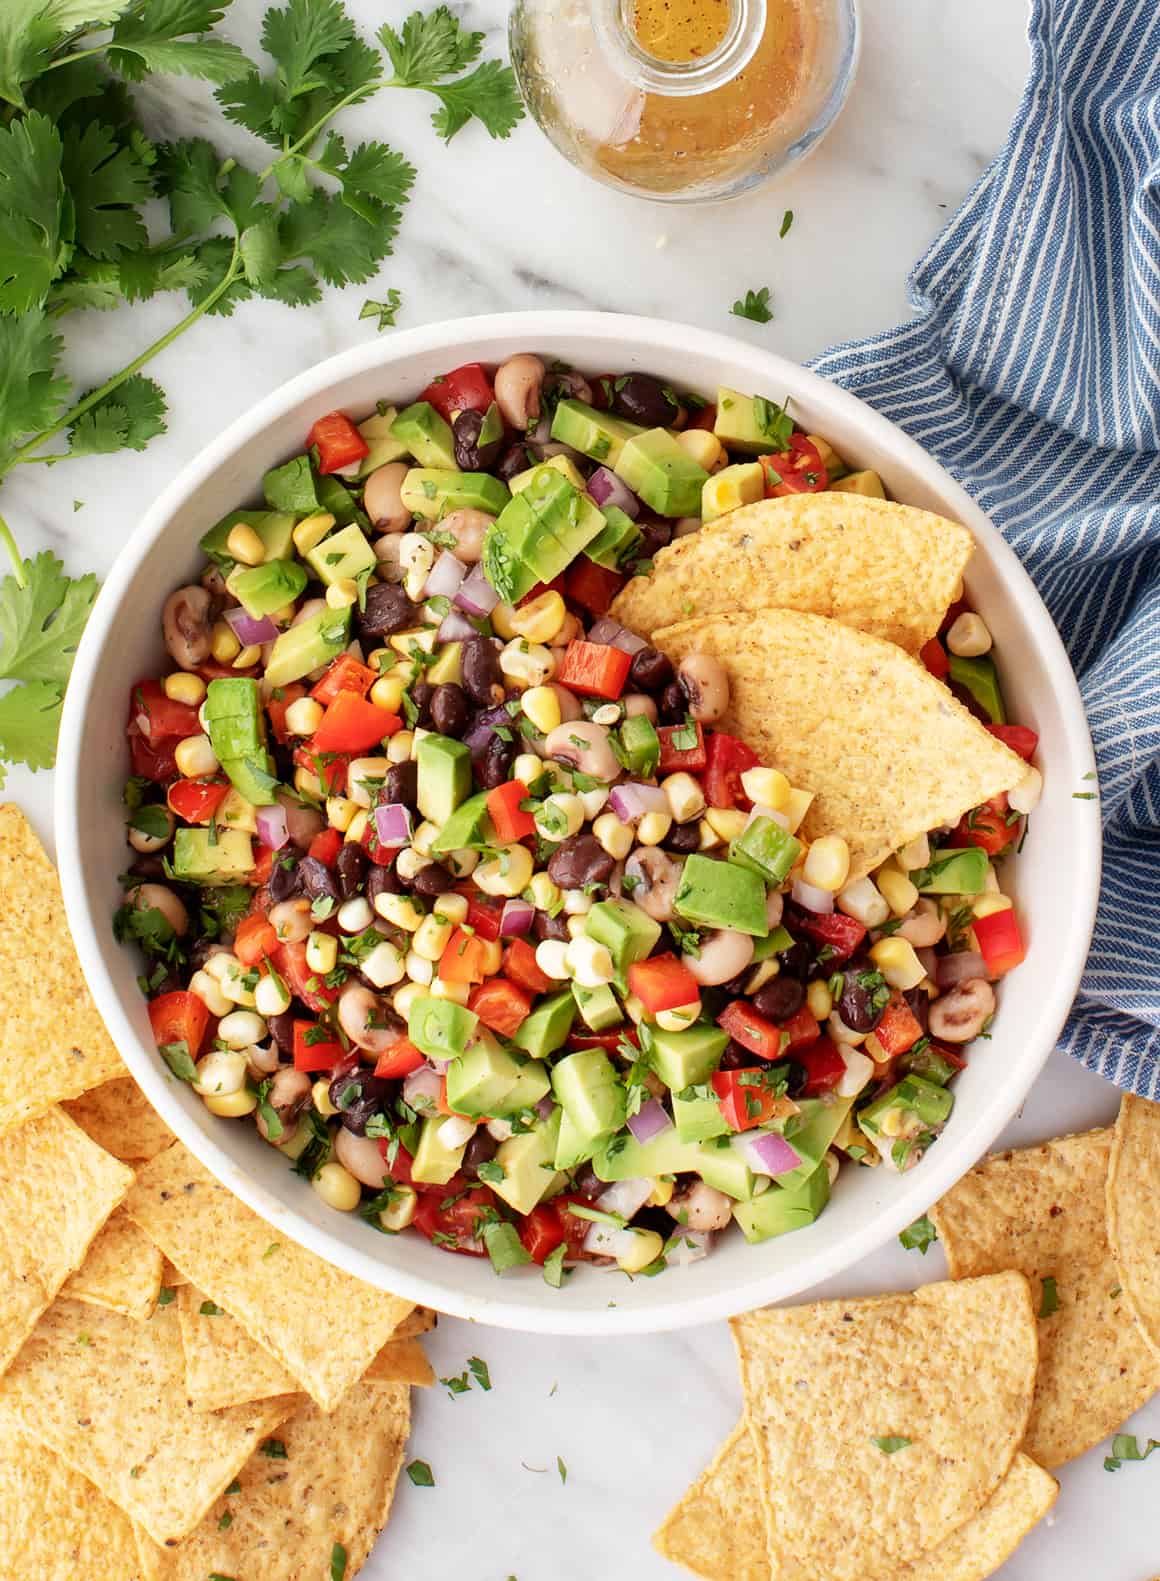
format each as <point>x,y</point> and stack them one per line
<point>511,226</point>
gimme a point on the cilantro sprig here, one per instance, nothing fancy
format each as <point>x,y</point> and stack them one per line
<point>754,305</point>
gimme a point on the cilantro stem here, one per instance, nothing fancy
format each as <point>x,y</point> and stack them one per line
<point>354,97</point>
<point>9,543</point>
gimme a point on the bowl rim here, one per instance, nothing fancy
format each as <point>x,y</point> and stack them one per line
<point>506,1309</point>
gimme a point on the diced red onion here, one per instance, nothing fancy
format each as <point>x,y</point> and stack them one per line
<point>422,1088</point>
<point>626,1197</point>
<point>649,1121</point>
<point>544,1107</point>
<point>607,489</point>
<point>929,960</point>
<point>475,593</point>
<point>759,810</point>
<point>606,1240</point>
<point>603,631</point>
<point>516,918</point>
<point>455,627</point>
<point>820,901</point>
<point>769,1153</point>
<point>959,967</point>
<point>445,576</point>
<point>272,828</point>
<point>393,824</point>
<point>455,1132</point>
<point>628,641</point>
<point>631,800</point>
<point>250,629</point>
<point>691,1246</point>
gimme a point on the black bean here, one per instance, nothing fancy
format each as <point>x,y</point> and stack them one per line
<point>449,709</point>
<point>654,535</point>
<point>169,984</point>
<point>282,1031</point>
<point>683,838</point>
<point>479,666</point>
<point>780,998</point>
<point>650,671</point>
<point>545,927</point>
<point>383,881</point>
<point>796,961</point>
<point>564,385</point>
<point>285,880</point>
<point>796,1076</point>
<point>358,1094</point>
<point>481,1149</point>
<point>402,784</point>
<point>579,861</point>
<point>350,869</point>
<point>674,705</point>
<point>734,1057</point>
<point>856,1004</point>
<point>919,1002</point>
<point>317,880</point>
<point>421,694</point>
<point>493,765</point>
<point>470,455</point>
<point>432,880</point>
<point>516,458</point>
<point>644,399</point>
<point>149,869</point>
<point>388,609</point>
<point>587,1183</point>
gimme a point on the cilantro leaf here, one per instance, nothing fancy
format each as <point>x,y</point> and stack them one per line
<point>319,62</point>
<point>126,419</point>
<point>919,1236</point>
<point>343,246</point>
<point>1126,1446</point>
<point>489,94</point>
<point>385,311</point>
<point>32,249</point>
<point>31,29</point>
<point>31,395</point>
<point>431,48</point>
<point>107,181</point>
<point>29,721</point>
<point>891,1445</point>
<point>152,37</point>
<point>754,306</point>
<point>420,1474</point>
<point>41,623</point>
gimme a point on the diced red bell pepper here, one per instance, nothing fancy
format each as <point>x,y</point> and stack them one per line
<point>352,724</point>
<point>992,827</point>
<point>726,760</point>
<point>824,1067</point>
<point>594,669</point>
<point>455,1222</point>
<point>842,935</point>
<point>465,389</point>
<point>196,801</point>
<point>152,763</point>
<point>705,417</point>
<point>329,768</point>
<point>662,983</point>
<point>744,1097</point>
<point>316,1047</point>
<point>158,717</point>
<point>519,967</point>
<point>801,1029</point>
<point>179,1017</point>
<point>1019,738</point>
<point>500,1005</point>
<point>556,585</point>
<point>575,1228</point>
<point>263,867</point>
<point>1000,941</point>
<point>344,674</point>
<point>675,754</point>
<point>484,915</point>
<point>898,1027</point>
<point>609,1041</point>
<point>399,1167</point>
<point>592,586</point>
<point>290,962</point>
<point>503,808</point>
<point>745,1026</point>
<point>280,701</point>
<point>464,958</point>
<point>934,656</point>
<point>399,1060</point>
<point>798,470</point>
<point>255,939</point>
<point>325,847</point>
<point>337,441</point>
<point>540,1232</point>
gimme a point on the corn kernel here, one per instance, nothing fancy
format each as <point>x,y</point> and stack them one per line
<point>416,557</point>
<point>461,864</point>
<point>862,901</point>
<point>726,822</point>
<point>385,965</point>
<point>527,767</point>
<point>355,915</point>
<point>542,706</point>
<point>491,956</point>
<point>680,1018</point>
<point>244,544</point>
<point>768,788</point>
<point>874,1050</point>
<point>364,777</point>
<point>400,1210</point>
<point>543,893</point>
<point>405,996</point>
<point>399,910</point>
<point>271,996</point>
<point>357,827</point>
<point>705,448</point>
<point>416,737</point>
<point>859,1071</point>
<point>764,972</point>
<point>819,1000</point>
<point>387,692</point>
<point>526,663</point>
<point>644,1247</point>
<point>303,716</point>
<point>844,1036</point>
<point>576,926</point>
<point>241,1028</point>
<point>431,937</point>
<point>320,1097</point>
<point>685,797</point>
<point>892,1122</point>
<point>1024,797</point>
<point>236,812</point>
<point>421,637</point>
<point>507,873</point>
<point>559,816</point>
<point>615,837</point>
<point>502,621</point>
<point>207,989</point>
<point>633,1009</point>
<point>310,532</point>
<point>418,968</point>
<point>457,993</point>
<point>897,890</point>
<point>588,963</point>
<point>576,902</point>
<point>988,905</point>
<point>827,863</point>
<point>307,783</point>
<point>915,853</point>
<point>195,756</point>
<point>184,688</point>
<point>969,637</point>
<point>662,1193</point>
<point>410,863</point>
<point>608,714</point>
<point>551,958</point>
<point>221,964</point>
<point>247,657</point>
<point>653,828</point>
<point>343,593</point>
<point>797,807</point>
<point>451,907</point>
<point>424,837</point>
<point>232,1105</point>
<point>224,646</point>
<point>896,960</point>
<point>322,953</point>
<point>540,619</point>
<point>708,836</point>
<point>337,1187</point>
<point>339,812</point>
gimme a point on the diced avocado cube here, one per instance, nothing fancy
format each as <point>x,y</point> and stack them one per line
<point>663,473</point>
<point>595,434</point>
<point>572,1147</point>
<point>697,1114</point>
<point>781,1209</point>
<point>598,1007</point>
<point>434,1164</point>
<point>548,1025</point>
<point>291,487</point>
<point>511,576</point>
<point>274,528</point>
<point>683,1059</point>
<point>641,745</point>
<point>234,720</point>
<point>219,861</point>
<point>444,776</point>
<point>928,1105</point>
<point>618,543</point>
<point>722,895</point>
<point>447,667</point>
<point>867,483</point>
<point>467,829</point>
<point>953,873</point>
<point>426,435</point>
<point>773,944</point>
<point>384,446</point>
<point>811,1133</point>
<point>261,589</point>
<point>308,646</point>
<point>433,492</point>
<point>532,1084</point>
<point>486,1080</point>
<point>591,1092</point>
<point>527,1164</point>
<point>564,465</point>
<point>539,533</point>
<point>722,1164</point>
<point>766,849</point>
<point>622,1157</point>
<point>751,423</point>
<point>440,1027</point>
<point>336,500</point>
<point>741,484</point>
<point>627,932</point>
<point>980,678</point>
<point>343,556</point>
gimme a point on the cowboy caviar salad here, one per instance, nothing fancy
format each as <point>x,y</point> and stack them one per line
<point>464,895</point>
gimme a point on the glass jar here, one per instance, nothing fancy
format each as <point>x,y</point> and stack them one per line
<point>684,101</point>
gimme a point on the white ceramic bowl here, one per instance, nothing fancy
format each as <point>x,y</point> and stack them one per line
<point>1056,877</point>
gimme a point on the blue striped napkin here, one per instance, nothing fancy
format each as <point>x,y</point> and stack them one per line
<point>1032,372</point>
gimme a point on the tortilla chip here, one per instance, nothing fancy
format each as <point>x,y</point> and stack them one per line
<point>950,1368</point>
<point>107,1395</point>
<point>55,1045</point>
<point>402,1361</point>
<point>886,569</point>
<point>334,1486</point>
<point>1133,1199</point>
<point>171,1278</point>
<point>273,1287</point>
<point>421,1321</point>
<point>1041,1211</point>
<point>886,749</point>
<point>54,1525</point>
<point>56,1191</point>
<point>122,1271</point>
<point>718,1529</point>
<point>120,1117</point>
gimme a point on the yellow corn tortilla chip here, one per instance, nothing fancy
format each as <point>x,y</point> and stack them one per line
<point>950,1369</point>
<point>171,1278</point>
<point>107,1395</point>
<point>402,1361</point>
<point>886,569</point>
<point>54,1045</point>
<point>120,1117</point>
<point>122,1271</point>
<point>57,1189</point>
<point>55,1526</point>
<point>1132,1205</point>
<point>334,1486</point>
<point>886,749</point>
<point>1041,1210</point>
<point>421,1321</point>
<point>718,1529</point>
<point>273,1287</point>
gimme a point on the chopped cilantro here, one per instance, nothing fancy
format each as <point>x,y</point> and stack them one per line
<point>891,1445</point>
<point>421,1474</point>
<point>919,1236</point>
<point>1049,1298</point>
<point>754,306</point>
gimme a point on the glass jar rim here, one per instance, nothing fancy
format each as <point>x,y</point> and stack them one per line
<point>649,72</point>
